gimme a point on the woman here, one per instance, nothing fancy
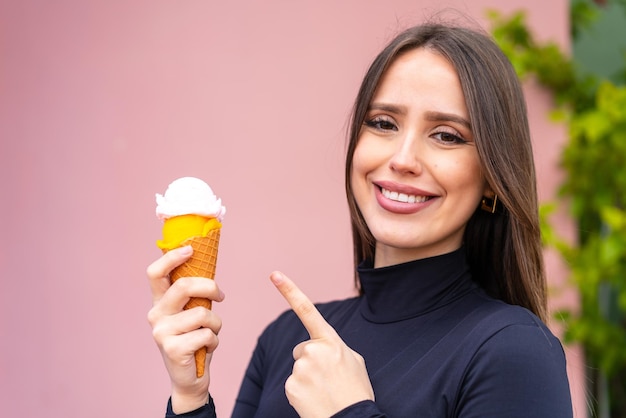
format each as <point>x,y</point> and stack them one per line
<point>441,188</point>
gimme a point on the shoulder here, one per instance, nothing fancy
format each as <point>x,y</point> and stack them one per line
<point>489,330</point>
<point>497,327</point>
<point>491,316</point>
<point>499,337</point>
<point>514,356</point>
<point>514,334</point>
<point>524,339</point>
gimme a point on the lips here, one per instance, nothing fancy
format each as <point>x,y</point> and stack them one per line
<point>401,199</point>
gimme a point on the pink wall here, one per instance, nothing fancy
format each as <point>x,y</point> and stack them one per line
<point>102,103</point>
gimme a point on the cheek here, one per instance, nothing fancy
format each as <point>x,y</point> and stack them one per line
<point>460,173</point>
<point>359,164</point>
<point>356,181</point>
<point>359,172</point>
<point>474,179</point>
<point>367,156</point>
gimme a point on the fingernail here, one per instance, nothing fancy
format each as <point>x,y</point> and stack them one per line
<point>276,277</point>
<point>186,250</point>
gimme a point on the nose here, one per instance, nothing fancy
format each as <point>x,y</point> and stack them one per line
<point>406,158</point>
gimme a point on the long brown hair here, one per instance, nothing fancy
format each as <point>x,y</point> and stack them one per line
<point>503,249</point>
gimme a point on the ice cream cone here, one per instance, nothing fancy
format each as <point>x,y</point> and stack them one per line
<point>191,215</point>
<point>201,264</point>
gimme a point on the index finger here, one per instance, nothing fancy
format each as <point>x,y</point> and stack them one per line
<point>310,317</point>
<point>158,272</point>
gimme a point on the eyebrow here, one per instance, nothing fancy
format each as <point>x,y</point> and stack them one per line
<point>387,108</point>
<point>432,116</point>
<point>448,117</point>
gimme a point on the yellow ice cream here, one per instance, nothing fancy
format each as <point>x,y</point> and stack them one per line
<point>180,228</point>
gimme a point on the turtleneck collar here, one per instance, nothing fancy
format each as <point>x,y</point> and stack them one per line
<point>411,289</point>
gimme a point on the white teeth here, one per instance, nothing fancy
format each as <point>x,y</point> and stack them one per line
<point>403,197</point>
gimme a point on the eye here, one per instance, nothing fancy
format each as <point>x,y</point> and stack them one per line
<point>449,137</point>
<point>381,123</point>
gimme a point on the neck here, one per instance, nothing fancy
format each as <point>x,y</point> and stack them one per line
<point>386,255</point>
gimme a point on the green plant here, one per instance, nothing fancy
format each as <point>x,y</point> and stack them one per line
<point>594,161</point>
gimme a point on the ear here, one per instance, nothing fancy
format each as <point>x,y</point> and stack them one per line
<point>488,191</point>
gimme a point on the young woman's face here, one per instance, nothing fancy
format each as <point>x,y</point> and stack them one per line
<point>416,175</point>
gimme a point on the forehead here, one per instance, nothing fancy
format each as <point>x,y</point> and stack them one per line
<point>420,63</point>
<point>422,76</point>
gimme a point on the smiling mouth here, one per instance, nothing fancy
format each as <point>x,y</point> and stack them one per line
<point>403,197</point>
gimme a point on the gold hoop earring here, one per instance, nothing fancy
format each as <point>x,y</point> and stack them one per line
<point>489,205</point>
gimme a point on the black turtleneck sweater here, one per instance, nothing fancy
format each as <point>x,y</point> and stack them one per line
<point>435,345</point>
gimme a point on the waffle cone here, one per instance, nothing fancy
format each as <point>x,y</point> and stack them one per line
<point>201,264</point>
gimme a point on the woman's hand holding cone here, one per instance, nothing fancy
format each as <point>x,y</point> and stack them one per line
<point>180,333</point>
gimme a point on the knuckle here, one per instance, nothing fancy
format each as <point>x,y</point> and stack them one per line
<point>305,308</point>
<point>153,271</point>
<point>183,285</point>
<point>209,320</point>
<point>212,341</point>
<point>169,347</point>
<point>289,386</point>
<point>198,314</point>
<point>299,367</point>
<point>158,336</point>
<point>218,326</point>
<point>307,350</point>
<point>152,316</point>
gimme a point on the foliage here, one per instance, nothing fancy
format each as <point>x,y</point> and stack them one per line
<point>594,161</point>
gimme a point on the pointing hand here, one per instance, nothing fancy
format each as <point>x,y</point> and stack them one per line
<point>327,375</point>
